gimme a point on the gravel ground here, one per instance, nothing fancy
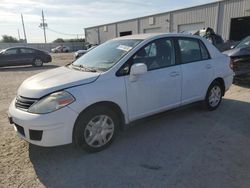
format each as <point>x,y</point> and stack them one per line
<point>188,147</point>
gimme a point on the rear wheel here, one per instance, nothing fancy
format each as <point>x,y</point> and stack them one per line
<point>214,96</point>
<point>37,62</point>
<point>96,129</point>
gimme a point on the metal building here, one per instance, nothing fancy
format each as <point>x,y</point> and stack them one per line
<point>229,18</point>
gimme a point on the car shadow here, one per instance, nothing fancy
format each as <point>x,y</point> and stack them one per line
<point>147,154</point>
<point>26,68</point>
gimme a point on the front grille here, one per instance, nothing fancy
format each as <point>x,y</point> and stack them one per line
<point>23,103</point>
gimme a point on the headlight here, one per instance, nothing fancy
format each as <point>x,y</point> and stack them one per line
<point>52,103</point>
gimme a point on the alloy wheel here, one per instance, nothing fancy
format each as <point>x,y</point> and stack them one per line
<point>99,131</point>
<point>214,96</point>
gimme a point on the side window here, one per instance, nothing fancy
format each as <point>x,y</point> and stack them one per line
<point>26,51</point>
<point>204,53</point>
<point>156,55</point>
<point>11,52</point>
<point>190,50</point>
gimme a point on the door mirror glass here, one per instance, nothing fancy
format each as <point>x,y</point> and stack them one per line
<point>138,69</point>
<point>232,47</point>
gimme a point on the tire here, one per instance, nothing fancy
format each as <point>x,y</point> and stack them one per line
<point>37,62</point>
<point>214,96</point>
<point>90,132</point>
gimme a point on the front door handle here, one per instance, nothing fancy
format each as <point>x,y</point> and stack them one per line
<point>174,74</point>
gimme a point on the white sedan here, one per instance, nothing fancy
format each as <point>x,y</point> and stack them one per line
<point>60,49</point>
<point>120,81</point>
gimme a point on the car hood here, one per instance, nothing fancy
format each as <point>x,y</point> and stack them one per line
<point>237,52</point>
<point>47,82</point>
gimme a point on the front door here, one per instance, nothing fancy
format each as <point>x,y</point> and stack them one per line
<point>158,89</point>
<point>10,57</point>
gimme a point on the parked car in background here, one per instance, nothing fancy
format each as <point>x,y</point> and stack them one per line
<point>120,81</point>
<point>79,53</point>
<point>23,56</point>
<point>240,56</point>
<point>60,49</point>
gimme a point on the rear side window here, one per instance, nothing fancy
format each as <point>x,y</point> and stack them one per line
<point>26,51</point>
<point>190,50</point>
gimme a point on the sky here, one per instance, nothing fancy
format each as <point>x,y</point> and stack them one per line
<point>69,18</point>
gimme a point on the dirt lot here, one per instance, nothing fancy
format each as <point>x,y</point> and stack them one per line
<point>188,147</point>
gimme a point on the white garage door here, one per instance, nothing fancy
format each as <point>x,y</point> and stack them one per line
<point>152,30</point>
<point>190,27</point>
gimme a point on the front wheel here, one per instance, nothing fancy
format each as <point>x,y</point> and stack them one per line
<point>96,129</point>
<point>213,96</point>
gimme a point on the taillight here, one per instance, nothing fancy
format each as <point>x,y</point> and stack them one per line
<point>231,65</point>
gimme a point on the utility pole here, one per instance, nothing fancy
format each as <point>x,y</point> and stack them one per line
<point>43,25</point>
<point>24,33</point>
<point>18,34</point>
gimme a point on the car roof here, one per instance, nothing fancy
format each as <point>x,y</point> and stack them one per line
<point>153,35</point>
<point>21,47</point>
<point>214,52</point>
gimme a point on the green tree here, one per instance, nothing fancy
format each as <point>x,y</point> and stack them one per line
<point>75,40</point>
<point>59,40</point>
<point>8,39</point>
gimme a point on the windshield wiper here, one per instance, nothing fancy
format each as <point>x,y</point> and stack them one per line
<point>88,68</point>
<point>83,68</point>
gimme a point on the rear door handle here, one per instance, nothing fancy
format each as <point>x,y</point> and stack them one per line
<point>173,74</point>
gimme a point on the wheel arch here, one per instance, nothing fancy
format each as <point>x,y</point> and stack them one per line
<point>108,104</point>
<point>221,81</point>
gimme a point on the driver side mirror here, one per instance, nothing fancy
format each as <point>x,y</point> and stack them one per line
<point>137,70</point>
<point>232,47</point>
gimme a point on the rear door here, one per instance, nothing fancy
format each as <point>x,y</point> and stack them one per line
<point>196,67</point>
<point>27,55</point>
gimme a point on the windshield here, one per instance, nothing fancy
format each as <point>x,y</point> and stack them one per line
<point>103,57</point>
<point>244,43</point>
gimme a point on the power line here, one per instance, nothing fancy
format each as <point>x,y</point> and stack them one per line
<point>62,33</point>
